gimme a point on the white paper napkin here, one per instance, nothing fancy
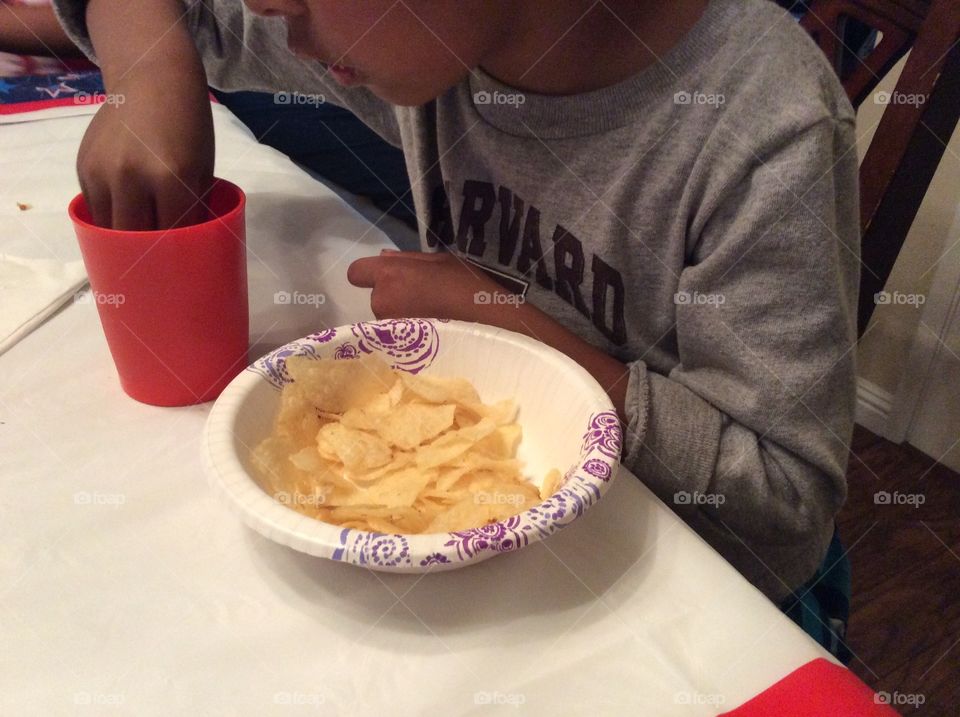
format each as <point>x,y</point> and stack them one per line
<point>31,290</point>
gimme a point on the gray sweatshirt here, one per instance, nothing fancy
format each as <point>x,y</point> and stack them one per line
<point>698,221</point>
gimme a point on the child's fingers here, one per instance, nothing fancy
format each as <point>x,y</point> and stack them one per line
<point>97,199</point>
<point>178,206</point>
<point>363,272</point>
<point>132,208</point>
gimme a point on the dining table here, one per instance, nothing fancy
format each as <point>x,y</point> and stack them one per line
<point>128,587</point>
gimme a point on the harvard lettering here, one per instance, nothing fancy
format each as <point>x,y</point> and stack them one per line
<point>519,246</point>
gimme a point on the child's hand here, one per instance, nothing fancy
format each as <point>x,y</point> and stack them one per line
<point>143,164</point>
<point>424,285</point>
<point>441,286</point>
<point>148,153</point>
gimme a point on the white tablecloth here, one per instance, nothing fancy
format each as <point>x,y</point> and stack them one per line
<point>126,588</point>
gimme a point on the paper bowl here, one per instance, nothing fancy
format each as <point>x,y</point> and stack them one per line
<point>567,419</point>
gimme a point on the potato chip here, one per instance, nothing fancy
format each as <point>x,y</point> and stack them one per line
<point>410,425</point>
<point>358,445</point>
<point>297,417</point>
<point>359,419</point>
<point>398,489</point>
<point>465,512</point>
<point>440,390</point>
<point>308,460</point>
<point>431,456</point>
<point>400,460</point>
<point>383,403</point>
<point>357,450</point>
<point>551,483</point>
<point>442,497</point>
<point>450,475</point>
<point>337,386</point>
<point>502,442</point>
<point>476,461</point>
<point>502,413</point>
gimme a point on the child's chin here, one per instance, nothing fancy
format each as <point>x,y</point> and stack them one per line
<point>403,96</point>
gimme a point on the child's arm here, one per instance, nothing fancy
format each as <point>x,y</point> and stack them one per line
<point>147,156</point>
<point>29,30</point>
<point>156,148</point>
<point>161,55</point>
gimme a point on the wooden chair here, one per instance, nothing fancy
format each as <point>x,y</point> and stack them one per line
<point>912,136</point>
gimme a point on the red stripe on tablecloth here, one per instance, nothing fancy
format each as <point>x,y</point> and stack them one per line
<point>18,107</point>
<point>816,689</point>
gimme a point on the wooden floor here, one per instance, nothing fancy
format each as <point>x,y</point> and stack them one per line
<point>905,622</point>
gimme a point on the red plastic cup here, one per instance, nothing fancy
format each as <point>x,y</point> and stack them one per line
<point>173,303</point>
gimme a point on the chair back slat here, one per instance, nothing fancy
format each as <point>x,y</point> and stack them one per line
<point>919,118</point>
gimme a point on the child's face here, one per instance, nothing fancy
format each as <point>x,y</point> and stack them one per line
<point>406,51</point>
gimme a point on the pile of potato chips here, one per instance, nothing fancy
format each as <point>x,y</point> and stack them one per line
<point>358,444</point>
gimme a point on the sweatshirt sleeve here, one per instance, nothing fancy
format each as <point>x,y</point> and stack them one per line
<point>747,437</point>
<point>244,51</point>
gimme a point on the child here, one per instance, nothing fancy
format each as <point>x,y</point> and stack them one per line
<point>670,187</point>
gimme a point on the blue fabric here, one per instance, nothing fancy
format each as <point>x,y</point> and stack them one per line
<point>332,142</point>
<point>821,607</point>
<point>80,87</point>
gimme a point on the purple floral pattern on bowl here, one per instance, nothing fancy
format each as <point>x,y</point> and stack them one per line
<point>411,345</point>
<point>406,344</point>
<point>598,468</point>
<point>604,435</point>
<point>345,352</point>
<point>322,337</point>
<point>434,559</point>
<point>373,549</point>
<point>273,366</point>
<point>499,537</point>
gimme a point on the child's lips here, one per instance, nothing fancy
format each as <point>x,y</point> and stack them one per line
<point>347,76</point>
